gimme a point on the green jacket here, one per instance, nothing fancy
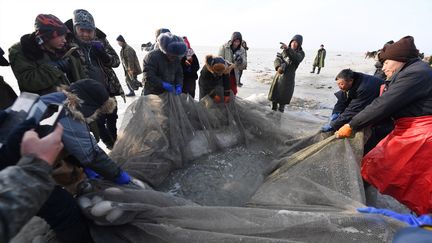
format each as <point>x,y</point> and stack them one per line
<point>130,60</point>
<point>319,59</point>
<point>33,71</point>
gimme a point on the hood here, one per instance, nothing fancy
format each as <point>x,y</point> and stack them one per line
<point>299,40</point>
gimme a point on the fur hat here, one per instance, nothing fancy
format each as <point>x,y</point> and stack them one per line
<point>84,104</point>
<point>120,38</point>
<point>401,51</point>
<point>83,19</point>
<point>297,38</point>
<point>3,61</point>
<point>47,27</point>
<point>218,65</point>
<point>172,45</point>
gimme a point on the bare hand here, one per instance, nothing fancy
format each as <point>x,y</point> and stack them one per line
<point>46,148</point>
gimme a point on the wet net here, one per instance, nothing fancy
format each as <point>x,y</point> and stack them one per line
<point>231,173</point>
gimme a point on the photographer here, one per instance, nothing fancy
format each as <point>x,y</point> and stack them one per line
<point>25,186</point>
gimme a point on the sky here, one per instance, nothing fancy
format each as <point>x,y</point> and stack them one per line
<point>341,25</point>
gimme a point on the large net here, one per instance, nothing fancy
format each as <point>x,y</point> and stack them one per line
<point>232,173</point>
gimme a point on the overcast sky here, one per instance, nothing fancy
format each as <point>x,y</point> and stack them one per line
<point>349,25</point>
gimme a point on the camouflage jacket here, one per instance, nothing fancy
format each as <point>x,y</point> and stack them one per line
<point>84,51</point>
<point>130,60</point>
<point>23,190</point>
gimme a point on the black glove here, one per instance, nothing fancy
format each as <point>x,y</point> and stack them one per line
<point>100,52</point>
<point>62,64</point>
<point>238,59</point>
<point>10,152</point>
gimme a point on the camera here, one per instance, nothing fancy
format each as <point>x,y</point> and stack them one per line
<point>28,106</point>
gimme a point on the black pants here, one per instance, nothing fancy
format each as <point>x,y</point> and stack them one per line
<point>64,216</point>
<point>189,86</point>
<point>107,126</point>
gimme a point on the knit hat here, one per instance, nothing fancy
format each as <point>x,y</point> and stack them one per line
<point>172,45</point>
<point>401,51</point>
<point>161,31</point>
<point>83,19</point>
<point>47,27</point>
<point>120,38</point>
<point>298,38</point>
<point>86,90</point>
<point>3,61</point>
<point>218,65</point>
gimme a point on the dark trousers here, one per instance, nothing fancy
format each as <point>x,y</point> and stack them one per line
<point>107,126</point>
<point>129,81</point>
<point>313,70</point>
<point>64,216</point>
<point>189,86</point>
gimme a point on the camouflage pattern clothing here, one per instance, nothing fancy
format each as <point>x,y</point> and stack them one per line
<point>23,190</point>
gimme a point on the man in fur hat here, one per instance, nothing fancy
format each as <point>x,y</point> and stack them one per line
<point>162,70</point>
<point>44,60</point>
<point>131,65</point>
<point>7,95</point>
<point>400,164</point>
<point>99,58</point>
<point>214,79</point>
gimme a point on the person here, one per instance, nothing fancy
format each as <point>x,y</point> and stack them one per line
<point>19,201</point>
<point>286,63</point>
<point>357,90</point>
<point>378,64</point>
<point>44,60</point>
<point>153,46</point>
<point>190,65</point>
<point>99,58</point>
<point>233,52</point>
<point>162,70</point>
<point>319,59</point>
<point>214,79</point>
<point>131,65</point>
<point>399,165</point>
<point>7,94</point>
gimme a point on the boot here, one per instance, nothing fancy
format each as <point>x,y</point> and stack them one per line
<point>313,70</point>
<point>319,69</point>
<point>281,108</point>
<point>274,106</point>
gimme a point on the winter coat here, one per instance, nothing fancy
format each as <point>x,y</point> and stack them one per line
<point>364,90</point>
<point>379,73</point>
<point>228,54</point>
<point>408,93</point>
<point>190,75</point>
<point>319,59</point>
<point>282,87</point>
<point>208,83</point>
<point>7,95</point>
<point>85,52</point>
<point>78,142</point>
<point>158,69</point>
<point>31,67</point>
<point>130,60</point>
<point>23,189</point>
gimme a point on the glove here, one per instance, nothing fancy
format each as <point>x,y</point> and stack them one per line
<point>123,178</point>
<point>91,174</point>
<point>100,51</point>
<point>334,116</point>
<point>344,132</point>
<point>279,55</point>
<point>61,64</point>
<point>168,87</point>
<point>226,99</point>
<point>178,89</point>
<point>280,70</point>
<point>327,128</point>
<point>238,59</point>
<point>410,219</point>
<point>217,99</point>
<point>10,152</point>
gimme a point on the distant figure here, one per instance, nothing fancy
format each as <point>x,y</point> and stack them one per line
<point>162,70</point>
<point>7,94</point>
<point>379,65</point>
<point>214,79</point>
<point>319,59</point>
<point>190,66</point>
<point>131,65</point>
<point>286,63</point>
<point>150,47</point>
<point>233,52</point>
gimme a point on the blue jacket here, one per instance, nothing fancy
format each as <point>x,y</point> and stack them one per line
<point>80,143</point>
